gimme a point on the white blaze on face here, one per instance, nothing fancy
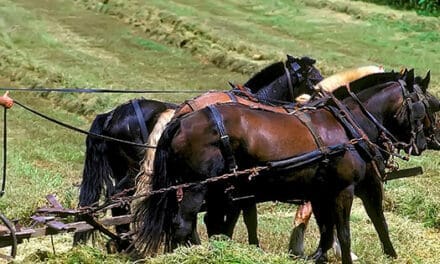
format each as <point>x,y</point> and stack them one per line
<point>335,81</point>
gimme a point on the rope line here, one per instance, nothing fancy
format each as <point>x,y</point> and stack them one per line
<point>96,90</point>
<point>81,130</point>
<point>2,191</point>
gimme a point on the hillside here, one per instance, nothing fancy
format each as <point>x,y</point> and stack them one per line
<point>198,45</point>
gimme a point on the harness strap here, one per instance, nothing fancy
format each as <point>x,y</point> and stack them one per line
<point>232,96</point>
<point>370,150</point>
<point>307,121</point>
<point>242,91</point>
<point>370,116</point>
<point>193,104</point>
<point>224,138</point>
<point>140,119</point>
<point>289,83</point>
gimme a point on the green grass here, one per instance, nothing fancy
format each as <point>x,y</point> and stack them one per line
<point>199,45</point>
<point>272,29</point>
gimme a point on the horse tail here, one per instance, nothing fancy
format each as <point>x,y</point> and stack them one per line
<point>96,172</point>
<point>154,215</point>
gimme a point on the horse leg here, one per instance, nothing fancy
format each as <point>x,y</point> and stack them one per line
<point>343,205</point>
<point>250,219</point>
<point>325,220</point>
<point>371,194</point>
<point>232,214</point>
<point>195,239</point>
<point>302,217</point>
<point>123,210</point>
<point>124,176</point>
<point>215,217</point>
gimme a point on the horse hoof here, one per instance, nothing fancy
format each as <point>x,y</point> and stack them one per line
<point>296,243</point>
<point>117,247</point>
<point>391,253</point>
<point>318,257</point>
<point>112,247</point>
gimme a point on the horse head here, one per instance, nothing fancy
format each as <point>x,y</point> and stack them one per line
<point>305,71</point>
<point>417,114</point>
<point>294,77</point>
<point>184,221</point>
<point>432,104</point>
<point>306,74</point>
<point>400,107</point>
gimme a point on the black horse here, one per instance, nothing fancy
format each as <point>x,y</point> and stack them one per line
<point>317,155</point>
<point>113,166</point>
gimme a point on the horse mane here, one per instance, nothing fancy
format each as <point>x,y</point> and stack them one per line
<point>265,76</point>
<point>366,82</point>
<point>143,179</point>
<point>337,80</point>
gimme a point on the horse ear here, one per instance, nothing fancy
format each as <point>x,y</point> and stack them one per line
<point>403,72</point>
<point>308,60</point>
<point>410,80</point>
<point>290,57</point>
<point>425,82</point>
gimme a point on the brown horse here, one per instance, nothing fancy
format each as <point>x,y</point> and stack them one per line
<point>318,155</point>
<point>294,77</point>
<point>372,201</point>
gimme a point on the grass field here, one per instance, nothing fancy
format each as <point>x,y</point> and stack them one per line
<point>198,45</point>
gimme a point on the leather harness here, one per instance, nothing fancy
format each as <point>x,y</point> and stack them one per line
<point>225,146</point>
<point>141,119</point>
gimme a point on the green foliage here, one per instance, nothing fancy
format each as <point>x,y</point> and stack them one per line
<point>424,7</point>
<point>221,250</point>
<point>81,254</point>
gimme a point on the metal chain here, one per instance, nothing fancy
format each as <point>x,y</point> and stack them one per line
<point>121,199</point>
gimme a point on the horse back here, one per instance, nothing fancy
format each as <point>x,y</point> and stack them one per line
<point>262,135</point>
<point>211,98</point>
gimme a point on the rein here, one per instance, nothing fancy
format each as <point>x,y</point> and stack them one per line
<point>2,191</point>
<point>376,155</point>
<point>369,115</point>
<point>94,90</point>
<point>81,130</point>
<point>385,133</point>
